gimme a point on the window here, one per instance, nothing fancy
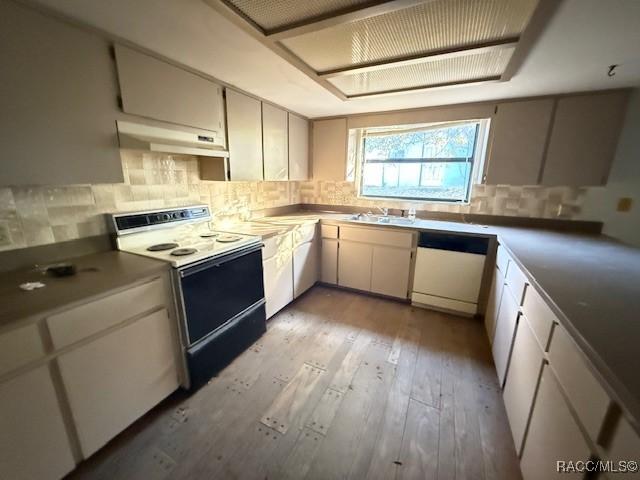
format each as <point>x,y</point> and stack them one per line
<point>426,162</point>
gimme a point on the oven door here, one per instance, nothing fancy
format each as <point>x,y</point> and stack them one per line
<point>216,291</point>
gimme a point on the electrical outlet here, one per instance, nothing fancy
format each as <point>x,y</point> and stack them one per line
<point>624,204</point>
<point>5,237</point>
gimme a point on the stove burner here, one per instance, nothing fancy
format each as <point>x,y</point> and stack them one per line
<point>227,238</point>
<point>162,246</point>
<point>208,234</point>
<point>181,252</point>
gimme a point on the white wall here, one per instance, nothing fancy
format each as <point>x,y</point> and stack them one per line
<point>624,181</point>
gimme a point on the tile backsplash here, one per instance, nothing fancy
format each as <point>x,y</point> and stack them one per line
<point>32,216</point>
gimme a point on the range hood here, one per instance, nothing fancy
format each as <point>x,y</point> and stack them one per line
<point>139,136</point>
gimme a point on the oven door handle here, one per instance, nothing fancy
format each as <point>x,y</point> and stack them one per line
<point>217,262</point>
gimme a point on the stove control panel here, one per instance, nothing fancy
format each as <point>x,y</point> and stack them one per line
<point>134,222</point>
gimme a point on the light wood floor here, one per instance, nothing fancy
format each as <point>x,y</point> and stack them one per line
<point>341,386</point>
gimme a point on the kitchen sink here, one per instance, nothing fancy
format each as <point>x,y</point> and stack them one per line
<point>383,219</point>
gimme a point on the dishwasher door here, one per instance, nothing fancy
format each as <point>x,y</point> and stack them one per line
<point>448,271</point>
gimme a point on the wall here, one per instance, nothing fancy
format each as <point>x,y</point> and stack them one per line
<point>32,216</point>
<point>527,201</point>
<point>624,181</point>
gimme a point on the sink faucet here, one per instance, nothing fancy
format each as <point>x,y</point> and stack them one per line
<point>384,210</point>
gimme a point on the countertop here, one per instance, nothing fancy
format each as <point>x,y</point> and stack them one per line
<point>592,282</point>
<point>97,273</point>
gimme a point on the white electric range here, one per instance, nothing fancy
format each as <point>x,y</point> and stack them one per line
<point>217,281</point>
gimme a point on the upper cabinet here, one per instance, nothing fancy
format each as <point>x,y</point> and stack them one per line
<point>155,89</point>
<point>330,149</point>
<point>275,143</point>
<point>584,138</point>
<point>60,125</point>
<point>298,148</point>
<point>519,133</point>
<point>244,123</point>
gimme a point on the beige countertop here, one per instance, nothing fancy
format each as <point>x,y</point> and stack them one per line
<point>97,273</point>
<point>592,283</point>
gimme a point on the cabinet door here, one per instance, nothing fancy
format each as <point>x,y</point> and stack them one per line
<point>275,143</point>
<point>354,265</point>
<point>553,434</point>
<point>156,89</point>
<point>583,139</point>
<point>33,443</point>
<point>390,271</point>
<point>244,125</point>
<point>59,108</point>
<point>520,127</point>
<point>495,295</point>
<point>115,379</point>
<point>278,281</point>
<point>505,330</point>
<point>305,267</point>
<point>329,263</point>
<point>520,388</point>
<point>330,149</point>
<point>298,148</point>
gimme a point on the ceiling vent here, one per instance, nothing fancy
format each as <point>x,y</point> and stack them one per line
<point>358,48</point>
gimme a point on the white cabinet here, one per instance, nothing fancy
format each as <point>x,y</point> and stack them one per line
<point>113,380</point>
<point>155,89</point>
<point>624,445</point>
<point>244,125</point>
<point>275,143</point>
<point>553,434</point>
<point>495,295</point>
<point>19,347</point>
<point>305,267</point>
<point>505,329</point>
<point>330,149</point>
<point>277,268</point>
<point>298,148</point>
<point>390,270</point>
<point>329,262</point>
<point>354,265</point>
<point>525,368</point>
<point>33,440</point>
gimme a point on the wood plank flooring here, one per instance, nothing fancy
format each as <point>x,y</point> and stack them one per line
<point>341,386</point>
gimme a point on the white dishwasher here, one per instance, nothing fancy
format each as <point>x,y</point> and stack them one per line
<point>448,271</point>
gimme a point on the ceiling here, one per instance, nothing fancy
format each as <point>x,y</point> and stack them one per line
<point>572,54</point>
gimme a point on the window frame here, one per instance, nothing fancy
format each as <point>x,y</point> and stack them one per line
<point>476,160</point>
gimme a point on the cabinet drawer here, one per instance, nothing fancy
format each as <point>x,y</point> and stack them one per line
<point>502,260</point>
<point>377,236</point>
<point>329,231</point>
<point>278,244</point>
<point>553,434</point>
<point>80,322</point>
<point>525,368</point>
<point>504,331</point>
<point>516,281</point>
<point>19,347</point>
<point>540,316</point>
<point>303,233</point>
<point>587,397</point>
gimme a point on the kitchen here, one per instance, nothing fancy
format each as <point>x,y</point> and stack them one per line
<point>258,239</point>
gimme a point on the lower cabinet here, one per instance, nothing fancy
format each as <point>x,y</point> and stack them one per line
<point>305,267</point>
<point>33,440</point>
<point>390,271</point>
<point>553,434</point>
<point>495,295</point>
<point>506,322</point>
<point>113,380</point>
<point>520,387</point>
<point>354,265</point>
<point>329,262</point>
